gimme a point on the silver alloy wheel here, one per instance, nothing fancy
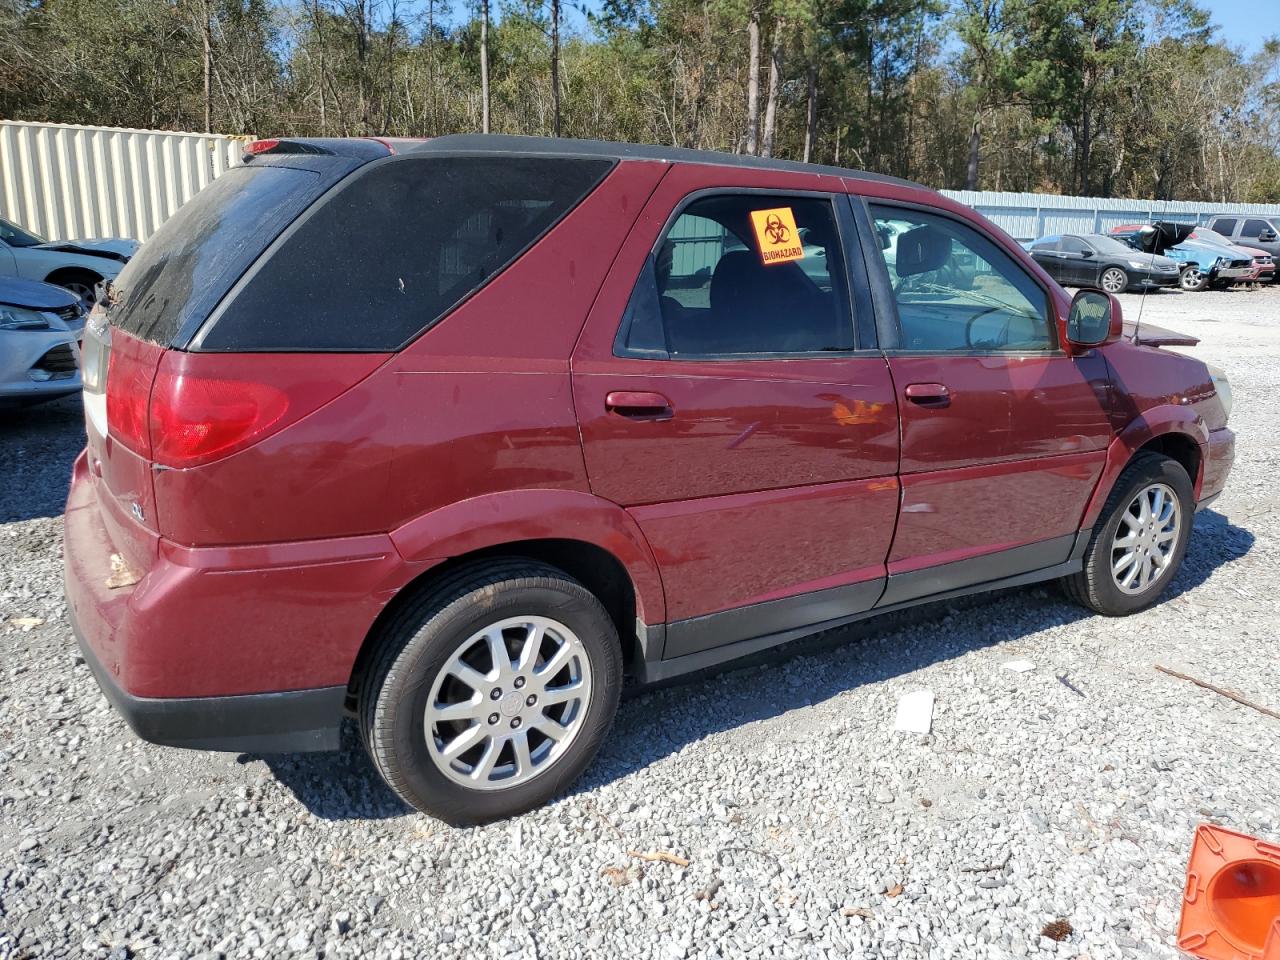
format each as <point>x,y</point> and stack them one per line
<point>1113,280</point>
<point>508,703</point>
<point>1190,279</point>
<point>1146,538</point>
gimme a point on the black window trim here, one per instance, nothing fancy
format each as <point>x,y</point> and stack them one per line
<point>887,303</point>
<point>856,294</point>
<point>194,345</point>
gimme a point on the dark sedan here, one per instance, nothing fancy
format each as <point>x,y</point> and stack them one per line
<point>1094,260</point>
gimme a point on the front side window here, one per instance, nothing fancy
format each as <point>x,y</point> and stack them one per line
<point>741,276</point>
<point>1254,228</point>
<point>955,290</point>
<point>1074,245</point>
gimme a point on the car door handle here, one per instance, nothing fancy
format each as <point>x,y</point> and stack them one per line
<point>928,394</point>
<point>639,405</point>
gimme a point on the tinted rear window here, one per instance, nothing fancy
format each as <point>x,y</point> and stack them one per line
<point>201,251</point>
<point>395,248</point>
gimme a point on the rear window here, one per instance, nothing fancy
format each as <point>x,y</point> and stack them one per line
<point>200,252</point>
<point>395,248</point>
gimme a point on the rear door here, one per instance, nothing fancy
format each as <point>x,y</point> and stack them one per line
<point>1048,253</point>
<point>1003,433</point>
<point>731,397</point>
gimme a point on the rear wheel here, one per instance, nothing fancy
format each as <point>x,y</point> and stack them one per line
<point>492,692</point>
<point>1140,540</point>
<point>1114,280</point>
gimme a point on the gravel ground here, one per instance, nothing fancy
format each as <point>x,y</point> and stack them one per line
<point>811,828</point>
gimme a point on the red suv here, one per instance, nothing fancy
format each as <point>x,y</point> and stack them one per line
<point>460,437</point>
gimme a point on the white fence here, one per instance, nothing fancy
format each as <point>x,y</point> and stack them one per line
<point>66,182</point>
<point>1026,216</point>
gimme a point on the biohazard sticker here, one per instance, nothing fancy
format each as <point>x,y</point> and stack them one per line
<point>776,235</point>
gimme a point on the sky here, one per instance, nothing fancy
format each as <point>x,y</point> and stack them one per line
<point>1242,23</point>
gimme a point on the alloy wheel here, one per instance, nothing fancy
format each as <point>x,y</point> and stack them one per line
<point>1146,538</point>
<point>1190,279</point>
<point>1113,280</point>
<point>508,703</point>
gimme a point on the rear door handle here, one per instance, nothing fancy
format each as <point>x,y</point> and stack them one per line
<point>928,394</point>
<point>639,405</point>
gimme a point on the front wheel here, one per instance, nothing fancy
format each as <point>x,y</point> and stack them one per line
<point>1192,280</point>
<point>1140,539</point>
<point>1114,280</point>
<point>492,692</point>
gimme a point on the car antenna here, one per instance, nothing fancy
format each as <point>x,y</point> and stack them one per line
<point>1151,269</point>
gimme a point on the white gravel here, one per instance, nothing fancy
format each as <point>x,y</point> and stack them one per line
<point>812,828</point>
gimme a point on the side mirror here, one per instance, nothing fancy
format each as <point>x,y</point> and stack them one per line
<point>1267,236</point>
<point>1095,320</point>
<point>1086,253</point>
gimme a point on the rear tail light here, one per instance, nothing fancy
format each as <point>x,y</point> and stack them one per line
<point>208,406</point>
<point>128,387</point>
<point>195,419</point>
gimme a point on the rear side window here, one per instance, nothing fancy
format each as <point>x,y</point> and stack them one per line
<point>1225,226</point>
<point>395,248</point>
<point>198,253</point>
<point>742,275</point>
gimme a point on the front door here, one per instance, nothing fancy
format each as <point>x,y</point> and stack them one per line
<point>1079,262</point>
<point>1003,434</point>
<point>726,401</point>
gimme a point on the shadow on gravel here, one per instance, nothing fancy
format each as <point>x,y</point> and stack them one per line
<point>38,445</point>
<point>659,722</point>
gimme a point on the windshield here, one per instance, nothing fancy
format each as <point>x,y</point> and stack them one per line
<point>1109,244</point>
<point>15,236</point>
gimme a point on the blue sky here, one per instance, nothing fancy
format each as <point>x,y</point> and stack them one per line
<point>1242,23</point>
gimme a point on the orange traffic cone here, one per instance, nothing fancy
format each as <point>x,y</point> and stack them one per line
<point>1272,951</point>
<point>1231,901</point>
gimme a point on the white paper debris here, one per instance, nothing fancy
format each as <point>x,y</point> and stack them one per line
<point>915,712</point>
<point>1018,666</point>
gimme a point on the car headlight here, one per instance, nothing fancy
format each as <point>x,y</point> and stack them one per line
<point>1137,264</point>
<point>1222,385</point>
<point>1221,262</point>
<point>15,318</point>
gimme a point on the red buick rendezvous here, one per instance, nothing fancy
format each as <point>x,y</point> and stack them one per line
<point>459,437</point>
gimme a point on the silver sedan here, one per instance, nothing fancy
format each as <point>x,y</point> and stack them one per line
<point>40,330</point>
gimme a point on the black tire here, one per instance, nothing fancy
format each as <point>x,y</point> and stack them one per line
<point>83,283</point>
<point>1094,586</point>
<point>1192,280</point>
<point>416,645</point>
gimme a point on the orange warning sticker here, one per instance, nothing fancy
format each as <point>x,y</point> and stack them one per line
<point>776,235</point>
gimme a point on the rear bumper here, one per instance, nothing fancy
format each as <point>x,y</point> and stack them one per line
<point>224,648</point>
<point>292,722</point>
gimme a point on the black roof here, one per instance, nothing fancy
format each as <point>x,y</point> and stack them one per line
<point>563,146</point>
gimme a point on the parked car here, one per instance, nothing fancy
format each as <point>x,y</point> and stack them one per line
<point>40,325</point>
<point>1203,265</point>
<point>77,265</point>
<point>1264,264</point>
<point>1262,233</point>
<point>1094,260</point>
<point>433,446</point>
